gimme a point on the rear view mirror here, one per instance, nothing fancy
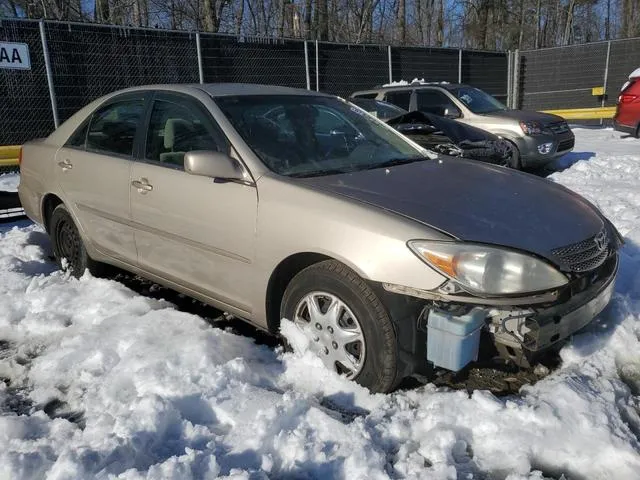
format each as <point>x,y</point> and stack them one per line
<point>212,164</point>
<point>452,112</point>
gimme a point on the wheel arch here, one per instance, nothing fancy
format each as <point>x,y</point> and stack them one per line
<point>49,202</point>
<point>282,275</point>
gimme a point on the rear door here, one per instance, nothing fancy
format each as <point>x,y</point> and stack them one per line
<point>93,170</point>
<point>431,100</point>
<point>400,98</point>
<point>190,229</point>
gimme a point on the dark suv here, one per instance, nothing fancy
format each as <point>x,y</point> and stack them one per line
<point>537,138</point>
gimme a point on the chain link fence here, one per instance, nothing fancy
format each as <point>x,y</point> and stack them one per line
<point>25,105</point>
<point>253,60</point>
<point>87,61</point>
<point>563,77</point>
<point>90,61</point>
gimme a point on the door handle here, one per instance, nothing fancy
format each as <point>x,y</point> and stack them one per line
<point>142,185</point>
<point>65,165</point>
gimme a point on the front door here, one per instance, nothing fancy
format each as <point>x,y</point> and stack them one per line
<point>191,229</point>
<point>93,169</point>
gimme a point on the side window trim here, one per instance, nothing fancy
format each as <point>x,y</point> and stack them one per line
<point>445,95</point>
<point>399,91</point>
<point>125,97</point>
<point>174,97</point>
<point>84,125</point>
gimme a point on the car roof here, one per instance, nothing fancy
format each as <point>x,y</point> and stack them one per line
<point>445,85</point>
<point>412,85</point>
<point>229,89</point>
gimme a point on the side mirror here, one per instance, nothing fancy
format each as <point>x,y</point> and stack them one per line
<point>212,164</point>
<point>452,112</point>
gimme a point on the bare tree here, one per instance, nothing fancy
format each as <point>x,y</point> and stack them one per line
<point>402,21</point>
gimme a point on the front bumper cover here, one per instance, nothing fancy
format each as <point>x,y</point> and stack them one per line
<point>548,328</point>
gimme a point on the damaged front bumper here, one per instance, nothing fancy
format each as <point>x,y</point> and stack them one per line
<point>521,328</point>
<point>522,335</point>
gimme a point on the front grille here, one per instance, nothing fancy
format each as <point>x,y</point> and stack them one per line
<point>566,144</point>
<point>558,127</point>
<point>582,282</point>
<point>585,255</point>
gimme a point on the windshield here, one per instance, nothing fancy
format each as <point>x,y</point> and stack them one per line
<point>297,135</point>
<point>478,101</point>
<point>379,109</point>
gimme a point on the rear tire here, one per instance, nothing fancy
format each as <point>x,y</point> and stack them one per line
<point>68,247</point>
<point>360,317</point>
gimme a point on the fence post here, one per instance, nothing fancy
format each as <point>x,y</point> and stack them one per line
<point>198,48</point>
<point>509,79</point>
<point>516,79</point>
<point>606,77</point>
<point>317,69</point>
<point>459,65</point>
<point>390,67</point>
<point>306,65</point>
<point>47,65</point>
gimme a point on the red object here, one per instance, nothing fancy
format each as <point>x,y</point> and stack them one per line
<point>627,117</point>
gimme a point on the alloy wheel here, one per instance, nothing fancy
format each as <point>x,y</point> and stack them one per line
<point>333,331</point>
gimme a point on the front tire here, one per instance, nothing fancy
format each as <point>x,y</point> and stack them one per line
<point>68,247</point>
<point>345,322</point>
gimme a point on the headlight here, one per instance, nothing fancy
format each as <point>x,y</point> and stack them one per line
<point>531,128</point>
<point>488,270</point>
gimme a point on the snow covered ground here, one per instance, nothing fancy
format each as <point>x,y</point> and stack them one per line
<point>9,182</point>
<point>101,382</point>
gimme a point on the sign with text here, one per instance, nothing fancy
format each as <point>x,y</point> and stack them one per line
<point>15,55</point>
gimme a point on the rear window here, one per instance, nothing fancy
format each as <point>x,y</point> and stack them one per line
<point>630,85</point>
<point>366,95</point>
<point>402,99</point>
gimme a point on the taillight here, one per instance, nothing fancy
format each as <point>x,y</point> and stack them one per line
<point>627,98</point>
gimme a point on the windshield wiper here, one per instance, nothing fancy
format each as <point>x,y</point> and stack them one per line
<point>318,173</point>
<point>397,161</point>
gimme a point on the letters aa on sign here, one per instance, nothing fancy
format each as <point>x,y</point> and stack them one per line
<point>15,56</point>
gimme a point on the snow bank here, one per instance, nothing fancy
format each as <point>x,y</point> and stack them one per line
<point>9,182</point>
<point>402,83</point>
<point>134,389</point>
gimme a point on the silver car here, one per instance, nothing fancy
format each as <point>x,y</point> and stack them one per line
<point>272,203</point>
<point>536,138</point>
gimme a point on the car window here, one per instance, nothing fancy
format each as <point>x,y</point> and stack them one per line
<point>478,101</point>
<point>433,101</point>
<point>113,128</point>
<point>328,122</point>
<point>298,135</point>
<point>175,129</point>
<point>79,137</point>
<point>377,108</point>
<point>402,98</point>
<point>366,95</point>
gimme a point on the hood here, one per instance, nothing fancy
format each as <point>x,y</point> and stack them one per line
<point>527,116</point>
<point>456,131</point>
<point>474,202</point>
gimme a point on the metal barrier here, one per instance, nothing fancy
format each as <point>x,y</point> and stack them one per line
<point>9,158</point>
<point>583,81</point>
<point>71,64</point>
